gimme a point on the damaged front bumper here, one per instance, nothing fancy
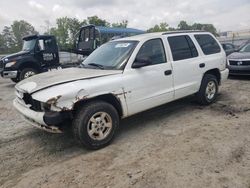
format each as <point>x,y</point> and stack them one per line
<point>48,121</point>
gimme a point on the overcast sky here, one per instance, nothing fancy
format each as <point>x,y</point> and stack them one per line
<point>224,14</point>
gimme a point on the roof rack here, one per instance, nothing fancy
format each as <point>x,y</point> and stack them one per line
<point>182,31</point>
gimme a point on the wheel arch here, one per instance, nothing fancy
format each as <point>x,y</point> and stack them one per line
<point>215,72</point>
<point>29,64</point>
<point>109,98</point>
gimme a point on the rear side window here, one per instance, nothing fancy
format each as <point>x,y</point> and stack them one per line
<point>208,44</point>
<point>182,47</point>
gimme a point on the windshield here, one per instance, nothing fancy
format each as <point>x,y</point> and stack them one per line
<point>29,45</point>
<point>112,55</point>
<point>245,48</point>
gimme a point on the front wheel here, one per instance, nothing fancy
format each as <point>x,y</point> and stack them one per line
<point>209,90</point>
<point>26,73</point>
<point>95,124</point>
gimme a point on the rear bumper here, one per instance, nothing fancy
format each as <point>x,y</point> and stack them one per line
<point>224,75</point>
<point>40,120</point>
<point>9,74</point>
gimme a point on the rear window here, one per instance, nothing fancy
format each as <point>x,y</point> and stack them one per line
<point>208,44</point>
<point>182,47</point>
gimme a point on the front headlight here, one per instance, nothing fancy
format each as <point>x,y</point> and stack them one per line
<point>10,64</point>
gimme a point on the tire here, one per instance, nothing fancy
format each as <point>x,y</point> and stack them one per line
<point>88,124</point>
<point>208,91</point>
<point>27,72</point>
<point>15,80</point>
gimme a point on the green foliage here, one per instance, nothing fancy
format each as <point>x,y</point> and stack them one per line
<point>21,29</point>
<point>198,26</point>
<point>11,37</point>
<point>95,20</point>
<point>122,24</point>
<point>183,25</point>
<point>159,28</point>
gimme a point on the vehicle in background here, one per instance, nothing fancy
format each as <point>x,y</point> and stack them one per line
<point>121,78</point>
<point>229,48</point>
<point>239,62</point>
<point>39,54</point>
<point>91,37</point>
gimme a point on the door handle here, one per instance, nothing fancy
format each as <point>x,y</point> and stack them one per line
<point>202,65</point>
<point>168,72</point>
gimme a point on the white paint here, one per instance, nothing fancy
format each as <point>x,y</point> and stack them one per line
<point>29,86</point>
<point>137,89</point>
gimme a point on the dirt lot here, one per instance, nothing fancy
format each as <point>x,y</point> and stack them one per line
<point>180,144</point>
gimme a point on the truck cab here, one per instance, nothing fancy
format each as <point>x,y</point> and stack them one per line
<point>39,54</point>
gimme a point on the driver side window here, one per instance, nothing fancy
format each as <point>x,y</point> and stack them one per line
<point>152,50</point>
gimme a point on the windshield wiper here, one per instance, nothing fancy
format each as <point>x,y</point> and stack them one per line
<point>96,65</point>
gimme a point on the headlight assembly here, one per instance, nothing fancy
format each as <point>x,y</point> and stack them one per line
<point>10,64</point>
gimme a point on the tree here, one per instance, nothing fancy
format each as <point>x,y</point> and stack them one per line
<point>184,26</point>
<point>159,28</point>
<point>61,32</point>
<point>95,20</point>
<point>122,24</point>
<point>2,44</point>
<point>21,29</point>
<point>210,28</point>
<point>8,40</point>
<point>66,31</point>
<point>74,26</point>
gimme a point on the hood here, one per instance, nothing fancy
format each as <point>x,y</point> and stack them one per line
<point>15,55</point>
<point>48,79</point>
<point>239,55</point>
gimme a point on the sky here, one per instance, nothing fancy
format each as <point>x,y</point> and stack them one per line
<point>226,15</point>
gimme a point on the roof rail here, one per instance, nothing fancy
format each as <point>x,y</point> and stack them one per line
<point>182,31</point>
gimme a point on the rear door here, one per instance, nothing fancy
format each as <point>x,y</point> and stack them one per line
<point>186,64</point>
<point>151,85</point>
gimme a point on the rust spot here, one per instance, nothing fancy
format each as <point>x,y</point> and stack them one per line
<point>81,98</point>
<point>53,100</point>
<point>122,93</point>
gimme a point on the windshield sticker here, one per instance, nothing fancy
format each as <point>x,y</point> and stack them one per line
<point>122,45</point>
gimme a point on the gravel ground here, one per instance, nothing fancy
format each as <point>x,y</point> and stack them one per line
<point>180,144</point>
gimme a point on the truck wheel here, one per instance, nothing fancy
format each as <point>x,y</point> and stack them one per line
<point>15,80</point>
<point>95,124</point>
<point>26,73</point>
<point>208,90</point>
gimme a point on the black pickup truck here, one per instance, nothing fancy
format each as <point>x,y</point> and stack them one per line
<point>39,54</point>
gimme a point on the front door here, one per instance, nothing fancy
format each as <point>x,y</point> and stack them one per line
<point>49,53</point>
<point>151,85</point>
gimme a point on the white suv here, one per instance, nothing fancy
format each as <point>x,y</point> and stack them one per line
<point>121,78</point>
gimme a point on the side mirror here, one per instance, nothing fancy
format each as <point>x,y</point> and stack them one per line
<point>141,62</point>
